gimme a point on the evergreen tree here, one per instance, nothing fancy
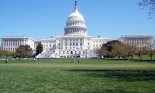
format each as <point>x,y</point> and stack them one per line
<point>39,48</point>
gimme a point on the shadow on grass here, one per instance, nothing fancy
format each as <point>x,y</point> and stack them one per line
<point>121,75</point>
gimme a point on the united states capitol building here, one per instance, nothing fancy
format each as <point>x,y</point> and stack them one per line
<point>74,43</point>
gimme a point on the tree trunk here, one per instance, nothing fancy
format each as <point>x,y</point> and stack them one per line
<point>151,57</point>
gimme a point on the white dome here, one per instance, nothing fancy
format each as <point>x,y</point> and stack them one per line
<point>76,23</point>
<point>76,15</point>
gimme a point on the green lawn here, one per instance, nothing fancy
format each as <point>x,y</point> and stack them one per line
<point>88,76</point>
<point>145,57</point>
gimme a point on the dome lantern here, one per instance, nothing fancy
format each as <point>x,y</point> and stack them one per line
<point>76,7</point>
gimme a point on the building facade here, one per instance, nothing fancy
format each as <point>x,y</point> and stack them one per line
<point>74,43</point>
<point>12,43</point>
<point>138,41</point>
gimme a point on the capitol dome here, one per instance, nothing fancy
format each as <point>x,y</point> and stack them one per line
<point>76,23</point>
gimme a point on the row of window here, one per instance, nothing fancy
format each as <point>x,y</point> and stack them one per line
<point>97,45</point>
<point>10,49</point>
<point>136,43</point>
<point>73,47</point>
<point>74,44</point>
<point>73,40</point>
<point>72,52</point>
<point>66,44</point>
<point>75,29</point>
<point>50,45</point>
<point>48,42</point>
<point>12,43</point>
<point>75,23</point>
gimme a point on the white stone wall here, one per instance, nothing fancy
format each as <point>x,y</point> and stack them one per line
<point>98,42</point>
<point>62,46</point>
<point>30,42</point>
<point>49,44</point>
<point>12,43</point>
<point>73,46</point>
<point>138,41</point>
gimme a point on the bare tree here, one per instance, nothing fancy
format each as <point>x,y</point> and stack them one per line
<point>150,4</point>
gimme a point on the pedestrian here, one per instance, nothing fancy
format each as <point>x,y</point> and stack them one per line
<point>34,59</point>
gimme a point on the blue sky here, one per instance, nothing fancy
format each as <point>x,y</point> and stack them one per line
<point>41,19</point>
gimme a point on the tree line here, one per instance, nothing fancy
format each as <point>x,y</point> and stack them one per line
<point>117,50</point>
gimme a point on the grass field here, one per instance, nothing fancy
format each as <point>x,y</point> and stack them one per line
<point>88,76</point>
